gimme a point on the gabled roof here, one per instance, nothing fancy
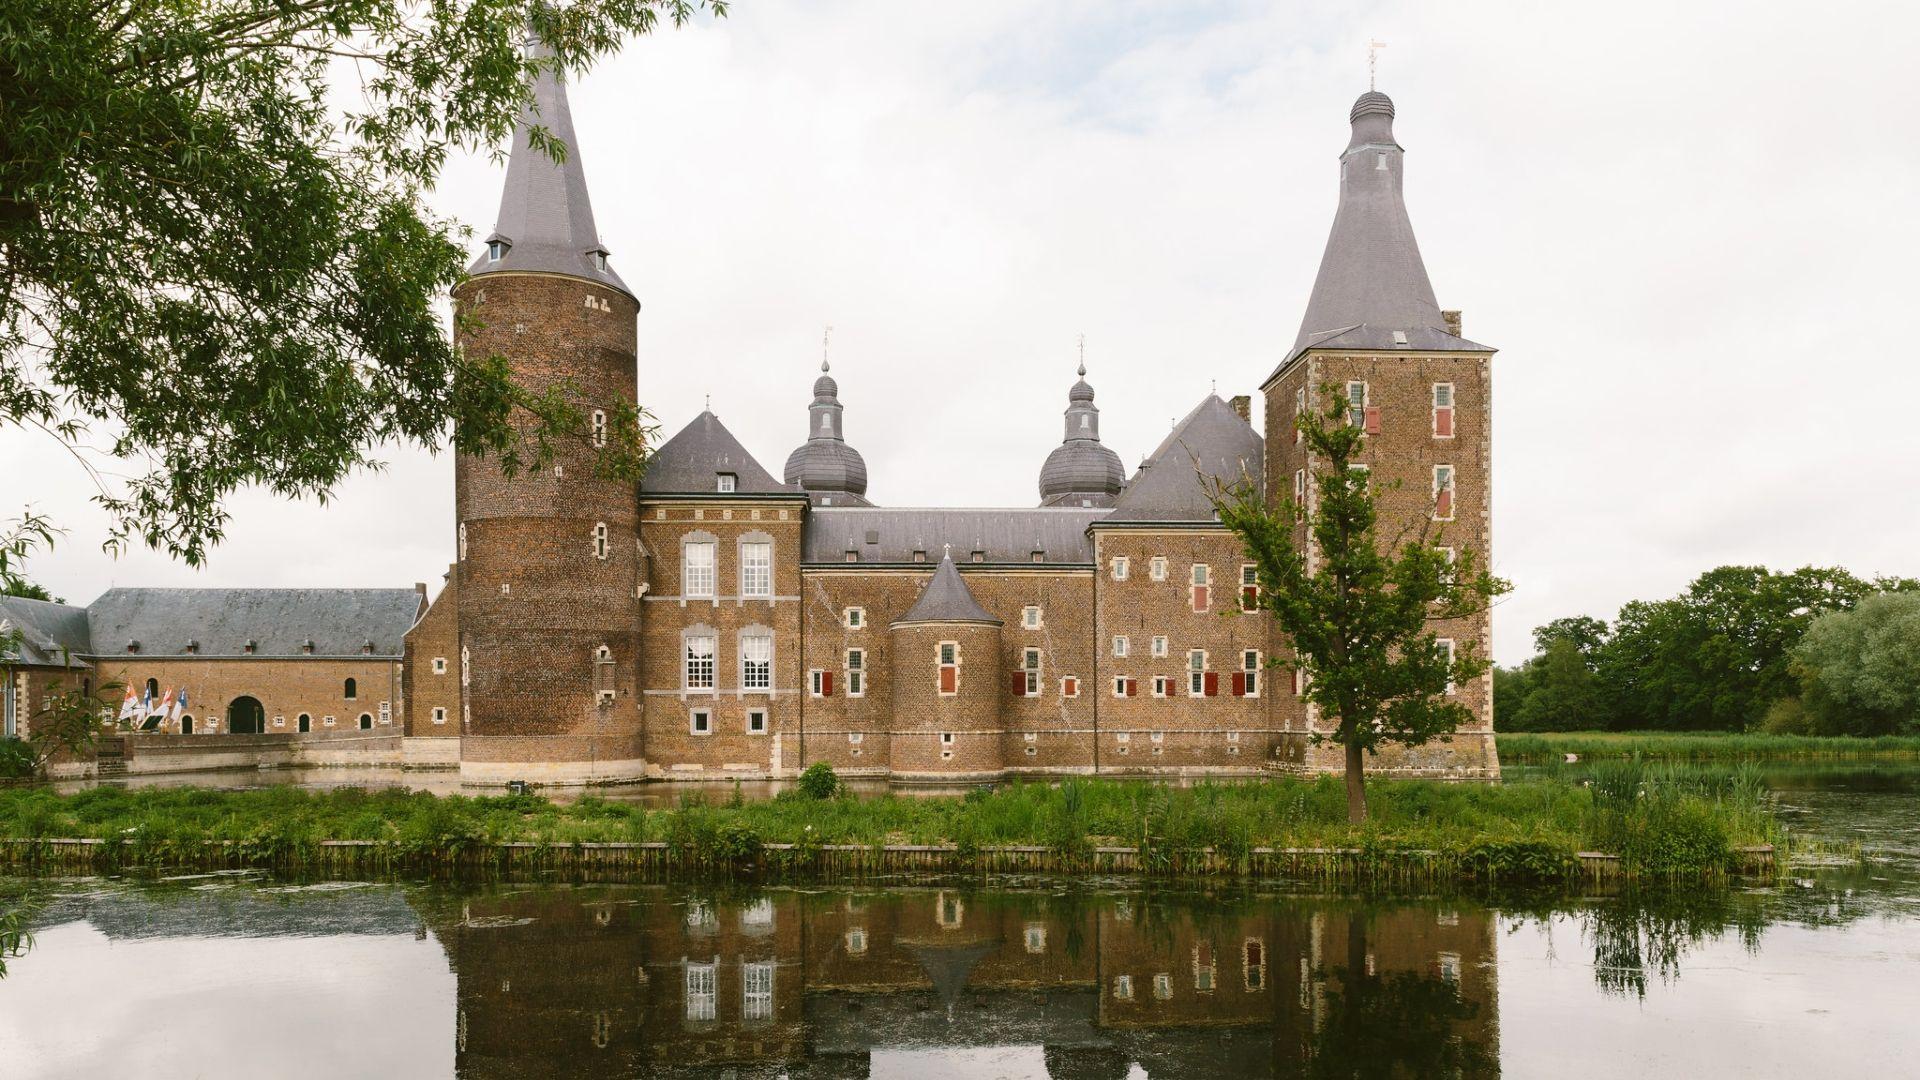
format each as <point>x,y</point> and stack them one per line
<point>692,461</point>
<point>545,217</point>
<point>946,599</point>
<point>339,622</point>
<point>893,535</point>
<point>1212,441</point>
<point>49,634</point>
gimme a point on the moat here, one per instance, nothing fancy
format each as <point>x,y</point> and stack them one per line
<point>239,975</point>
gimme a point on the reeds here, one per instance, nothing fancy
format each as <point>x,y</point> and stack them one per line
<point>1547,748</point>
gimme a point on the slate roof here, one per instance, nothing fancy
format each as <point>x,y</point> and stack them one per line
<point>545,215</point>
<point>946,599</point>
<point>1210,440</point>
<point>339,621</point>
<point>892,535</point>
<point>826,466</point>
<point>691,462</point>
<point>1372,281</point>
<point>49,634</point>
<point>1081,471</point>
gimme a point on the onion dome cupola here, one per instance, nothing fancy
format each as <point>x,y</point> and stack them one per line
<point>545,224</point>
<point>1081,471</point>
<point>825,467</point>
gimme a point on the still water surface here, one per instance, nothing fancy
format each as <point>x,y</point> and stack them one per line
<point>238,976</point>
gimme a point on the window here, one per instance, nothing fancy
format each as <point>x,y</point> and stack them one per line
<point>857,941</point>
<point>919,556</point>
<point>820,683</point>
<point>1197,672</point>
<point>1449,964</point>
<point>1120,646</point>
<point>1157,568</point>
<point>303,722</point>
<point>1030,617</point>
<point>700,996</point>
<point>756,662</point>
<point>597,427</point>
<point>980,556</point>
<point>1203,967</point>
<point>1162,686</point>
<point>351,690</point>
<point>1160,645</point>
<point>856,618</point>
<point>1300,486</point>
<point>1246,681</point>
<point>439,665</point>
<point>600,547</point>
<point>1451,556</point>
<point>466,667</point>
<point>756,569</point>
<point>949,667</point>
<point>1123,988</point>
<point>756,983</point>
<point>439,714</point>
<point>1120,567</point>
<point>1070,687</point>
<point>1163,986</point>
<point>1443,493</point>
<point>756,721</point>
<point>495,249</point>
<point>1443,410</point>
<point>700,722</point>
<point>1120,685</point>
<point>1035,937</point>
<point>1028,677</point>
<point>856,672</point>
<point>1249,587</point>
<point>1299,410</point>
<point>946,738</point>
<point>698,571</point>
<point>1202,586</point>
<point>699,673</point>
<point>1356,403</point>
<point>1447,653</point>
<point>1253,963</point>
<point>366,721</point>
<point>728,482</point>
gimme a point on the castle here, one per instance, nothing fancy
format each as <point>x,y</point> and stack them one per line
<point>717,621</point>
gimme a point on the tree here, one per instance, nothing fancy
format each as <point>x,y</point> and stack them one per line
<point>1361,611</point>
<point>18,538</point>
<point>1564,695</point>
<point>1860,669</point>
<point>215,255</point>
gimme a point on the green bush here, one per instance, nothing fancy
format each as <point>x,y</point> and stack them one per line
<point>16,760</point>
<point>1788,716</point>
<point>818,781</point>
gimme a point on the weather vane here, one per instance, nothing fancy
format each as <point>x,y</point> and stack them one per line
<point>1373,61</point>
<point>826,342</point>
<point>1083,354</point>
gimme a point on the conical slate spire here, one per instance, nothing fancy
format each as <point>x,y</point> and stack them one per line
<point>1372,291</point>
<point>947,599</point>
<point>545,224</point>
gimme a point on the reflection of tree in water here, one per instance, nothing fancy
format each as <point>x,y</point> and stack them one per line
<point>1394,1024</point>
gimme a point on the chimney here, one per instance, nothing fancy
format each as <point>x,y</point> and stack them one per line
<point>1453,322</point>
<point>1243,404</point>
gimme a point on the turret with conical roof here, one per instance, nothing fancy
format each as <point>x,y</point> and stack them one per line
<point>945,671</point>
<point>831,472</point>
<point>1081,471</point>
<point>548,572</point>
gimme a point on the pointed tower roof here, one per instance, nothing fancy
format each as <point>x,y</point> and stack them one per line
<point>1213,441</point>
<point>830,471</point>
<point>1081,471</point>
<point>694,460</point>
<point>545,224</point>
<point>1372,291</point>
<point>946,599</point>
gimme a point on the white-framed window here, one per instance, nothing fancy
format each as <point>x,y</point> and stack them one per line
<point>949,663</point>
<point>1250,664</point>
<point>699,661</point>
<point>855,738</point>
<point>1120,646</point>
<point>1030,670</point>
<point>756,662</point>
<point>1162,686</point>
<point>600,546</point>
<point>756,569</point>
<point>700,722</point>
<point>857,941</point>
<point>1120,685</point>
<point>1356,403</point>
<point>1070,686</point>
<point>1030,617</point>
<point>697,574</point>
<point>1160,646</point>
<point>1157,568</point>
<point>856,672</point>
<point>1035,937</point>
<point>1196,672</point>
<point>1447,654</point>
<point>1123,988</point>
<point>463,541</point>
<point>439,665</point>
<point>598,427</point>
<point>854,618</point>
<point>819,682</point>
<point>700,995</point>
<point>1452,557</point>
<point>1202,587</point>
<point>946,738</point>
<point>1449,964</point>
<point>1253,963</point>
<point>1163,986</point>
<point>1249,587</point>
<point>439,714</point>
<point>1120,567</point>
<point>727,482</point>
<point>1443,493</point>
<point>1204,969</point>
<point>1443,410</point>
<point>466,667</point>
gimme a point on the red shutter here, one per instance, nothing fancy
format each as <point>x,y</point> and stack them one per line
<point>1200,598</point>
<point>826,684</point>
<point>1019,684</point>
<point>1070,687</point>
<point>949,679</point>
<point>1443,421</point>
<point>1373,420</point>
<point>1213,684</point>
<point>1443,503</point>
<point>1239,684</point>
<point>1249,597</point>
<point>1133,687</point>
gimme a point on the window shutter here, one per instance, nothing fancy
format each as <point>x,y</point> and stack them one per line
<point>948,681</point>
<point>1213,684</point>
<point>1443,503</point>
<point>1373,419</point>
<point>1239,684</point>
<point>826,684</point>
<point>1200,598</point>
<point>1249,597</point>
<point>1133,687</point>
<point>1443,422</point>
<point>1020,684</point>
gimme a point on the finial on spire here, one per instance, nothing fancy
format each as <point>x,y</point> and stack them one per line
<point>1083,356</point>
<point>709,402</point>
<point>826,342</point>
<point>946,551</point>
<point>1373,61</point>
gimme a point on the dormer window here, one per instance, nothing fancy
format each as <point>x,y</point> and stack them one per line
<point>193,646</point>
<point>250,646</point>
<point>307,646</point>
<point>496,249</point>
<point>132,645</point>
<point>600,261</point>
<point>728,481</point>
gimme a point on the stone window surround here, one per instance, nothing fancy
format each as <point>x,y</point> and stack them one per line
<point>700,720</point>
<point>687,635</point>
<point>1120,567</point>
<point>756,632</point>
<point>690,540</point>
<point>1451,406</point>
<point>856,672</point>
<point>740,552</point>
<point>765,718</point>
<point>1157,568</point>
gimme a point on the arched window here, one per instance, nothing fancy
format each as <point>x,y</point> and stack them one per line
<point>352,689</point>
<point>366,721</point>
<point>153,689</point>
<point>304,723</point>
<point>463,666</point>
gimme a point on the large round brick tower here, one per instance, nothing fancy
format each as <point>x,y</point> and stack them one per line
<point>946,685</point>
<point>549,559</point>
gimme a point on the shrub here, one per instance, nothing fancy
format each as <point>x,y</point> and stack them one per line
<point>819,781</point>
<point>16,760</point>
<point>1788,716</point>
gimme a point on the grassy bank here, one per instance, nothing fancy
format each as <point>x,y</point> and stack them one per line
<point>1671,822</point>
<point>1702,746</point>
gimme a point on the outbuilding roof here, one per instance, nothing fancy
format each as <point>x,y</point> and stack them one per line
<point>280,622</point>
<point>46,634</point>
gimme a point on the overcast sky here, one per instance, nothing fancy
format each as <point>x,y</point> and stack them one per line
<point>1691,231</point>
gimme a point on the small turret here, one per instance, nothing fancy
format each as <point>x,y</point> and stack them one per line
<point>825,467</point>
<point>1081,471</point>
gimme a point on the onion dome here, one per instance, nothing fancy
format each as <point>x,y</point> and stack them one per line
<point>1080,471</point>
<point>825,467</point>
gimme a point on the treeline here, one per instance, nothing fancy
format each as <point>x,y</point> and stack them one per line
<point>1813,651</point>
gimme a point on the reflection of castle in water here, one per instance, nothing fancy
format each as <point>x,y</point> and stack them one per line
<point>616,981</point>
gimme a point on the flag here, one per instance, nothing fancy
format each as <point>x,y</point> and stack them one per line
<point>166,704</point>
<point>158,707</point>
<point>179,705</point>
<point>128,706</point>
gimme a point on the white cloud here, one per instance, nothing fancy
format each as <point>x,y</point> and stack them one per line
<point>1687,227</point>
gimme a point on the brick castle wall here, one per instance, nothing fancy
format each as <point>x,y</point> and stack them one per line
<point>430,671</point>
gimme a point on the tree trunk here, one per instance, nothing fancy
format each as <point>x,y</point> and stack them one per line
<point>1356,784</point>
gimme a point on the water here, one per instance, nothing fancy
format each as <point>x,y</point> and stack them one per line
<point>234,975</point>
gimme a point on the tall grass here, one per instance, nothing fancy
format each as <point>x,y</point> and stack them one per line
<point>1522,748</point>
<point>1662,821</point>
